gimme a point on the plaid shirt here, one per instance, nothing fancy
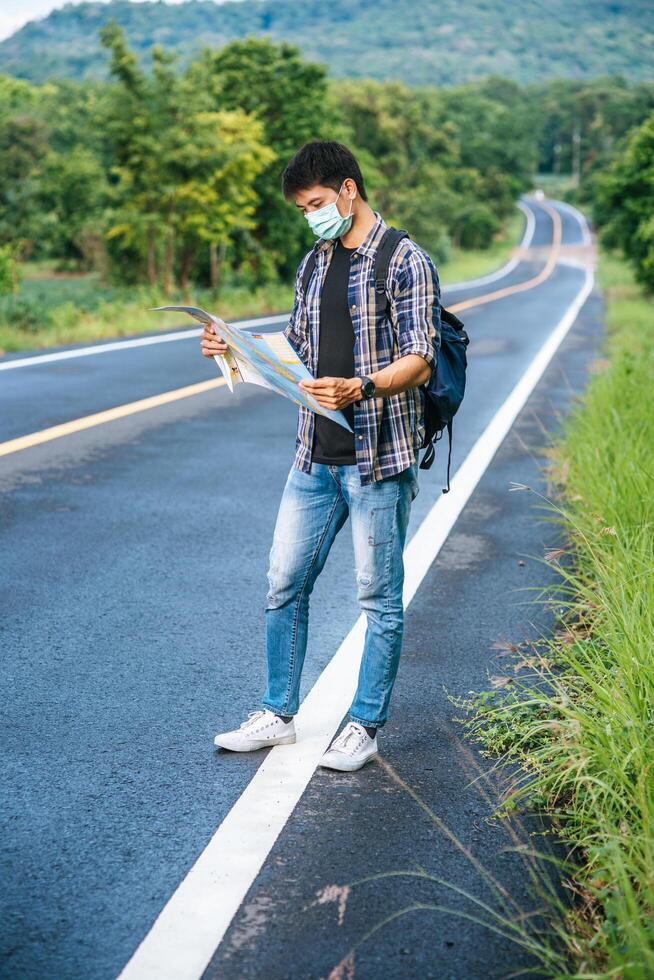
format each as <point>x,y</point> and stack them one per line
<point>388,431</point>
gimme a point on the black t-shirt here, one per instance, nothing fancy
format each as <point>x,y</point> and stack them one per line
<point>331,442</point>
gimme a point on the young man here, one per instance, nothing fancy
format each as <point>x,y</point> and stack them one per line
<point>368,364</point>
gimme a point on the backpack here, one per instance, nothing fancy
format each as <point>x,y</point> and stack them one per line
<point>443,393</point>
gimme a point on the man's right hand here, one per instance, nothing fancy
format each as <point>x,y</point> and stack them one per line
<point>211,343</point>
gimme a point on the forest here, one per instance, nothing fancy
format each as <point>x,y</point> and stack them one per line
<point>169,178</point>
<point>434,42</point>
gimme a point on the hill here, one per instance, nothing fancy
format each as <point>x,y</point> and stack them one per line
<point>425,43</point>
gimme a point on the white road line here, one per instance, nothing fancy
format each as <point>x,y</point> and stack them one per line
<point>158,338</point>
<point>504,270</point>
<point>191,926</point>
<point>65,355</point>
<point>585,230</point>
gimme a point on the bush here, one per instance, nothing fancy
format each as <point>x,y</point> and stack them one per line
<point>475,226</point>
<point>8,270</point>
<point>24,313</point>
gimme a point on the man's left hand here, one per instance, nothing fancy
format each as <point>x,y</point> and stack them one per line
<point>333,393</point>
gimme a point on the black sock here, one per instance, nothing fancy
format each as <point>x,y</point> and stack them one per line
<point>371,731</point>
<point>285,718</point>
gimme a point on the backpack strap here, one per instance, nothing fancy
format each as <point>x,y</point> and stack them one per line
<point>308,270</point>
<point>389,242</point>
<point>449,455</point>
<point>430,453</point>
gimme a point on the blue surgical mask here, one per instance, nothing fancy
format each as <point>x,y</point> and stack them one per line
<point>328,222</point>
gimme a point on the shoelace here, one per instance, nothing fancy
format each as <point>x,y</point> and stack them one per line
<point>253,716</point>
<point>345,736</point>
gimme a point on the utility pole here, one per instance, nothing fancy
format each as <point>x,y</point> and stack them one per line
<point>557,157</point>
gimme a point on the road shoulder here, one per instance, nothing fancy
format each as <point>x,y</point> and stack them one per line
<point>420,806</point>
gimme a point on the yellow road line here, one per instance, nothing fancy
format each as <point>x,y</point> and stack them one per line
<point>99,418</point>
<point>520,287</point>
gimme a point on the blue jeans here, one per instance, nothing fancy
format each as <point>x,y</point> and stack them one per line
<point>313,509</point>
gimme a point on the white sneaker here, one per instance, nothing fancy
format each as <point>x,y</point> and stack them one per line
<point>261,729</point>
<point>351,750</point>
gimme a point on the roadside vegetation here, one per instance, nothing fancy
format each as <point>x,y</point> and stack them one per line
<point>163,183</point>
<point>54,308</point>
<point>576,711</point>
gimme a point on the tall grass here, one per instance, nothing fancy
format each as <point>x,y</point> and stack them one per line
<point>581,726</point>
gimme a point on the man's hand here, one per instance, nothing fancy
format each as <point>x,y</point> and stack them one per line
<point>211,343</point>
<point>333,393</point>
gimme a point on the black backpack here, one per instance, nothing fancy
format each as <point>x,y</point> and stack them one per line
<point>443,393</point>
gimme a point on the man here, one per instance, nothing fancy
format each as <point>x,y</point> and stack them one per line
<point>369,364</point>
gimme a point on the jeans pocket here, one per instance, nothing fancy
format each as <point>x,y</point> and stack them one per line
<point>382,520</point>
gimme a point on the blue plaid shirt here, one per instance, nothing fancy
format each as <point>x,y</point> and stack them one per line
<point>388,431</point>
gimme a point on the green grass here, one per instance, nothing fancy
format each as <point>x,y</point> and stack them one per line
<point>581,724</point>
<point>53,310</point>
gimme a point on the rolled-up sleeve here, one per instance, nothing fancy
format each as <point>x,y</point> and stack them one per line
<point>417,306</point>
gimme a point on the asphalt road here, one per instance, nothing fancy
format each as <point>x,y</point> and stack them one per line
<point>133,566</point>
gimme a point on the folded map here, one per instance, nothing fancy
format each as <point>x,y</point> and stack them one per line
<point>265,359</point>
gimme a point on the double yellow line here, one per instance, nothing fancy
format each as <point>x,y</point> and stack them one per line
<point>143,404</point>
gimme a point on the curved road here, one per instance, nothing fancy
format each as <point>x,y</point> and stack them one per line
<point>134,556</point>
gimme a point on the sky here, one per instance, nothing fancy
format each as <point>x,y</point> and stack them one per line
<point>15,13</point>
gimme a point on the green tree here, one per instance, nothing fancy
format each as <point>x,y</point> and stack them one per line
<point>185,172</point>
<point>73,198</point>
<point>216,162</point>
<point>289,96</point>
<point>407,161</point>
<point>131,123</point>
<point>624,202</point>
<point>23,147</point>
<point>579,123</point>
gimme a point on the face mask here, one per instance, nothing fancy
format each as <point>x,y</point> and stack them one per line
<point>328,222</point>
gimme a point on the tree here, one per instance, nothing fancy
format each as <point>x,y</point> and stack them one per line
<point>599,112</point>
<point>73,198</point>
<point>624,202</point>
<point>185,172</point>
<point>23,147</point>
<point>289,96</point>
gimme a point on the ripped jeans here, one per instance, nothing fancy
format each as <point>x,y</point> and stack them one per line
<point>313,509</point>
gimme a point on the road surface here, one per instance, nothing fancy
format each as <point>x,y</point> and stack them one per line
<point>134,558</point>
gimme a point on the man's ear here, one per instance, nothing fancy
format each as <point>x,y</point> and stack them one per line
<point>351,188</point>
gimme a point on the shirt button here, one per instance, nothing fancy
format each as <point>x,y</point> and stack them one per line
<point>353,308</point>
<point>360,437</point>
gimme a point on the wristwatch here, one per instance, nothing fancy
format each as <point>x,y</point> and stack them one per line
<point>367,387</point>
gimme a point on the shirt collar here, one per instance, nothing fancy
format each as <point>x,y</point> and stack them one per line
<point>369,244</point>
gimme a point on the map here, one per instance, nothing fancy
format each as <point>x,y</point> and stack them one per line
<point>265,359</point>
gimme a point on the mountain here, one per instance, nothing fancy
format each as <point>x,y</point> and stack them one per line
<point>421,42</point>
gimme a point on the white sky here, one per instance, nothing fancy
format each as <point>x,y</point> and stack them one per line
<point>15,13</point>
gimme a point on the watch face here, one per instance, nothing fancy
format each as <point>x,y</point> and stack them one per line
<point>368,388</point>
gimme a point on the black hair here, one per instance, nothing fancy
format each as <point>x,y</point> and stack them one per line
<point>323,162</point>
